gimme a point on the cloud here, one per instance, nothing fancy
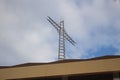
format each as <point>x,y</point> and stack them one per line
<point>26,35</point>
<point>94,24</point>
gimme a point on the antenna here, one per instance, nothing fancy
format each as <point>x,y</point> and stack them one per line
<point>63,36</point>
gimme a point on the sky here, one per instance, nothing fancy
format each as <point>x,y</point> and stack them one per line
<point>26,36</point>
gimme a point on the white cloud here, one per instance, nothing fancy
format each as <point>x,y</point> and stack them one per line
<point>92,23</point>
<point>26,36</point>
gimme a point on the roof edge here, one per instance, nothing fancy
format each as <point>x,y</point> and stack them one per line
<point>62,61</point>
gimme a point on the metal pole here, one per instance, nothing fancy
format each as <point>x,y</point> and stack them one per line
<point>61,52</point>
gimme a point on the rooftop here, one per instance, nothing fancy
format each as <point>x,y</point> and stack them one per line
<point>63,61</point>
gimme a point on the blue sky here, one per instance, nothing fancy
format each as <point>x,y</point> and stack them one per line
<point>26,35</point>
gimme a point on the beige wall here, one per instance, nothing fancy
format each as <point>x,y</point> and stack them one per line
<point>81,67</point>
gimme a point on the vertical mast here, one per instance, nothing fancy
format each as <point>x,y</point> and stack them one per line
<point>61,51</point>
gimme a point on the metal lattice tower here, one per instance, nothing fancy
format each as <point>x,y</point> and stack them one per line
<point>61,52</point>
<point>62,37</point>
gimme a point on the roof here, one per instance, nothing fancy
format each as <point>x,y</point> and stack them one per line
<point>63,61</point>
<point>105,64</point>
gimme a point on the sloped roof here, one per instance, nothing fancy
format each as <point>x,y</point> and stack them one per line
<point>63,61</point>
<point>105,64</point>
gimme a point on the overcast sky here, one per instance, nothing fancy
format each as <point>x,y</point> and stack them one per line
<point>26,36</point>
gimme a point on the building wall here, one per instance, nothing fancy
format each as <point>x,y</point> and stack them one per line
<point>98,76</point>
<point>58,69</point>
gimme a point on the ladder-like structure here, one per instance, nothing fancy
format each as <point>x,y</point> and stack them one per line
<point>62,37</point>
